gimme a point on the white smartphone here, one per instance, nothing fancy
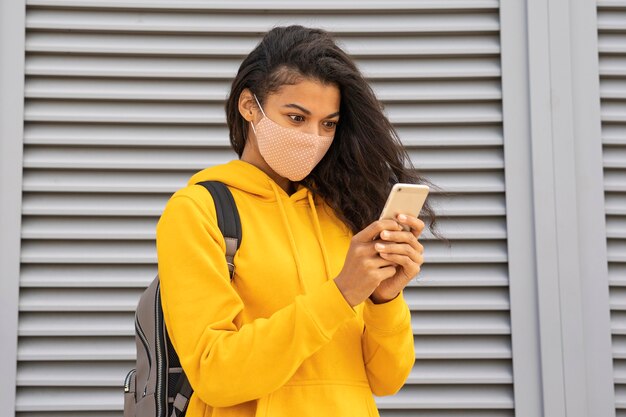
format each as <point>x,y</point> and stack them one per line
<point>405,199</point>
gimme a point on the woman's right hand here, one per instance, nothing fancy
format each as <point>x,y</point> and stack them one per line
<point>363,269</point>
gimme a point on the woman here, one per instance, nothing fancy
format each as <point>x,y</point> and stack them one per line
<point>314,320</point>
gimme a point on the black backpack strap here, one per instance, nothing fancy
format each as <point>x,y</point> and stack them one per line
<point>227,219</point>
<point>230,226</point>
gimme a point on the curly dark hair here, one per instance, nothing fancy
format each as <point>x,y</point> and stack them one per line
<point>366,156</point>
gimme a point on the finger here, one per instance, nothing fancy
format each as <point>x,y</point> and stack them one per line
<point>416,225</point>
<point>409,268</point>
<point>401,237</point>
<point>374,229</point>
<point>398,249</point>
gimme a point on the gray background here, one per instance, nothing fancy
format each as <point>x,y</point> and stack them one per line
<point>516,108</point>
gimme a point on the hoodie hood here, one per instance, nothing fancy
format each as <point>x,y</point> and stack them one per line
<point>248,178</point>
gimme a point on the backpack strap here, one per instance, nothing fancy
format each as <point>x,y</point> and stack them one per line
<point>227,219</point>
<point>230,225</point>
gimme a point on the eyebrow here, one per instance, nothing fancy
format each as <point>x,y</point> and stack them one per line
<point>308,112</point>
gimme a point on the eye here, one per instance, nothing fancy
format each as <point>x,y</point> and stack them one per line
<point>330,124</point>
<point>296,117</point>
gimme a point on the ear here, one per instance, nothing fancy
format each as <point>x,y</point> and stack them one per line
<point>247,105</point>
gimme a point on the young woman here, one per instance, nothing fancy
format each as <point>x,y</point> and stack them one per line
<point>314,321</point>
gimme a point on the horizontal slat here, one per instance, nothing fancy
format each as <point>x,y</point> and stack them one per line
<point>438,413</point>
<point>457,299</point>
<point>39,349</point>
<point>144,228</point>
<point>150,182</point>
<point>610,4</point>
<point>619,346</point>
<point>461,372</point>
<point>450,397</point>
<point>152,205</point>
<point>193,136</point>
<point>614,180</point>
<point>617,298</point>
<point>105,182</point>
<point>207,90</point>
<point>46,110</point>
<point>242,21</point>
<point>125,275</point>
<point>189,68</point>
<point>613,88</point>
<point>619,372</point>
<point>143,252</point>
<point>464,275</point>
<point>612,65</point>
<point>616,227</point>
<point>79,299</point>
<point>611,21</point>
<point>89,413</point>
<point>239,5</point>
<point>75,399</point>
<point>96,228</point>
<point>89,348</point>
<point>613,133</point>
<point>614,156</point>
<point>458,158</point>
<point>240,45</point>
<point>617,274</point>
<point>615,203</point>
<point>461,323</point>
<point>72,324</point>
<point>614,111</point>
<point>616,250</point>
<point>620,396</point>
<point>86,276</point>
<point>618,322</point>
<point>462,347</point>
<point>611,43</point>
<point>468,182</point>
<point>88,252</point>
<point>142,158</point>
<point>72,374</point>
<point>87,204</point>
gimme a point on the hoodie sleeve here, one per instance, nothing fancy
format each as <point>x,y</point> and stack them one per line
<point>227,364</point>
<point>388,349</point>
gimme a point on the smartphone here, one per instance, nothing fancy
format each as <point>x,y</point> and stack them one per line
<point>405,199</point>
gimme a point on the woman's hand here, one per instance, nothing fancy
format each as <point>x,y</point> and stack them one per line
<point>364,270</point>
<point>403,249</point>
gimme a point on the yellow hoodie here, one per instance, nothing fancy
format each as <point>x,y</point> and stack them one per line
<point>280,340</point>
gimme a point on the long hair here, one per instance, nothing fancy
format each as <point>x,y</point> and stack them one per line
<point>366,156</point>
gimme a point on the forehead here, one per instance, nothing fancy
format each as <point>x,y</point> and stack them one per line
<point>310,94</point>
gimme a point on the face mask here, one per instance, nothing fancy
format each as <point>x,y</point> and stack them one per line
<point>289,152</point>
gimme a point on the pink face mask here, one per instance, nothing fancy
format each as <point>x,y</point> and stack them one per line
<point>289,152</point>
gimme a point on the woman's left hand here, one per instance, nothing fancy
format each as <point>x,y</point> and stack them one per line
<point>403,249</point>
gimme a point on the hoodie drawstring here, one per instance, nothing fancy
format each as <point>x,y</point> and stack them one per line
<point>292,241</point>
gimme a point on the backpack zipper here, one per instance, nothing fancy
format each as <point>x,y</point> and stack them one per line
<point>158,395</point>
<point>127,380</point>
<point>144,341</point>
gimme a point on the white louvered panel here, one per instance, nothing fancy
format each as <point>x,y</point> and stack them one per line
<point>611,42</point>
<point>124,101</point>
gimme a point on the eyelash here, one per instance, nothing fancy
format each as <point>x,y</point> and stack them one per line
<point>291,116</point>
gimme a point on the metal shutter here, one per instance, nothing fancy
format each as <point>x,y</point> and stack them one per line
<point>612,47</point>
<point>124,102</point>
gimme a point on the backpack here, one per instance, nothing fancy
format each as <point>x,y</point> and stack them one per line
<point>158,387</point>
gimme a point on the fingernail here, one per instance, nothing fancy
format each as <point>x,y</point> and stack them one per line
<point>384,234</point>
<point>379,246</point>
<point>402,217</point>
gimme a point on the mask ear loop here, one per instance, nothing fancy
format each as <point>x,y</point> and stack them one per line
<point>264,115</point>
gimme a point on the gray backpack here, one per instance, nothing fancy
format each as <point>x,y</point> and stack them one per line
<point>158,387</point>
